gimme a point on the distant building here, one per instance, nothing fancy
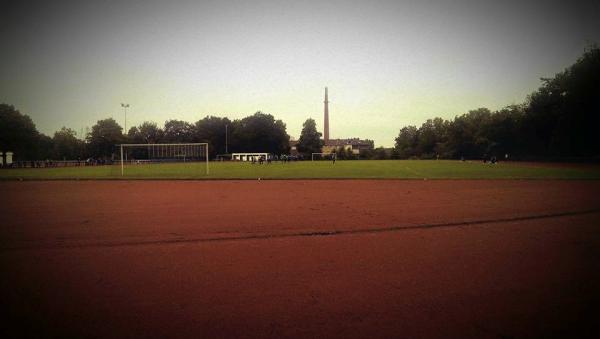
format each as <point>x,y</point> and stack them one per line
<point>293,147</point>
<point>331,145</point>
<point>355,144</point>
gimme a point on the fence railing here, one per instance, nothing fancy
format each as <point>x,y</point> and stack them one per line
<point>58,163</point>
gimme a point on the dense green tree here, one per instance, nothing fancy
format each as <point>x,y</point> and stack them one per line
<point>562,115</point>
<point>310,140</point>
<point>504,130</point>
<point>178,131</point>
<point>395,154</point>
<point>259,132</point>
<point>407,141</point>
<point>212,130</point>
<point>366,154</point>
<point>380,153</point>
<point>466,134</point>
<point>17,134</point>
<point>134,136</point>
<point>44,149</point>
<point>340,153</point>
<point>558,120</point>
<point>66,144</point>
<point>103,139</point>
<point>432,138</point>
<point>146,133</point>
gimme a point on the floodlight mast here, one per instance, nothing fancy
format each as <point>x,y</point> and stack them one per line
<point>125,106</point>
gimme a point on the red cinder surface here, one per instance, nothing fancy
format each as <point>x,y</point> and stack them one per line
<point>350,258</point>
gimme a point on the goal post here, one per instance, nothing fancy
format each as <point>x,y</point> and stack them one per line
<point>329,156</point>
<point>135,154</point>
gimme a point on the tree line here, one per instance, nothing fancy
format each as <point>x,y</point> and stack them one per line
<point>259,131</point>
<point>559,120</point>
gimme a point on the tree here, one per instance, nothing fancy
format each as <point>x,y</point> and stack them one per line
<point>558,120</point>
<point>366,153</point>
<point>561,117</point>
<point>406,142</point>
<point>146,133</point>
<point>105,135</point>
<point>340,153</point>
<point>212,131</point>
<point>432,138</point>
<point>66,144</point>
<point>44,148</point>
<point>380,153</point>
<point>178,131</point>
<point>17,134</point>
<point>350,154</point>
<point>310,140</point>
<point>260,132</point>
<point>467,134</point>
<point>505,131</point>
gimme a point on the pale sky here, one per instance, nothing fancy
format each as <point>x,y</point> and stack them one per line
<point>387,64</point>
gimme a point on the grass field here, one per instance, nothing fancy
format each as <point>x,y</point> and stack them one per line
<point>391,169</point>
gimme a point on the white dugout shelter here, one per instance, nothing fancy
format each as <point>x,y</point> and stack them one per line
<point>249,156</point>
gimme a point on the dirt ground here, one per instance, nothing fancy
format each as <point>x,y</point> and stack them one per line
<point>349,258</point>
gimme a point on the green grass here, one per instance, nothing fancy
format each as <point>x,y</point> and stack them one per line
<point>391,169</point>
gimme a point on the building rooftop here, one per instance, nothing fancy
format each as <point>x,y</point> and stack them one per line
<point>348,141</point>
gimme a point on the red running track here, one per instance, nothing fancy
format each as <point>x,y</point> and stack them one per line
<point>348,258</point>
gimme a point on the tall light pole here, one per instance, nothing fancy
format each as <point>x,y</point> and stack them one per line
<point>125,106</point>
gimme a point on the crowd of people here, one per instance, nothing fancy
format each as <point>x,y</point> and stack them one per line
<point>284,158</point>
<point>58,163</point>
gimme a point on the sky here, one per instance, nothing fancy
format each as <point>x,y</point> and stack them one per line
<point>387,64</point>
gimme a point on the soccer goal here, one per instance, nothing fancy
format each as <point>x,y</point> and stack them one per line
<point>145,154</point>
<point>323,156</point>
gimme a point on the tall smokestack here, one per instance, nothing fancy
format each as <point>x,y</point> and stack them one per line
<point>326,125</point>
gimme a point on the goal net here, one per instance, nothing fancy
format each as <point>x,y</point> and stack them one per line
<point>186,159</point>
<point>323,156</point>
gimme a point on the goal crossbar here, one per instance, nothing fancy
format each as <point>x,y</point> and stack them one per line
<point>153,146</point>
